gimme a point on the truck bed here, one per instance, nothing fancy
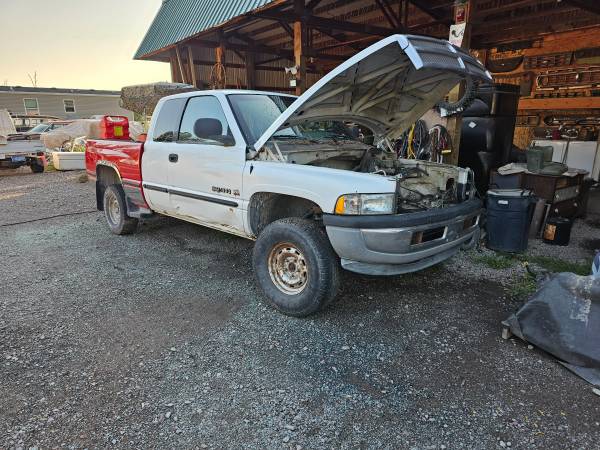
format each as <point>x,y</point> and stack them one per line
<point>119,161</point>
<point>124,156</point>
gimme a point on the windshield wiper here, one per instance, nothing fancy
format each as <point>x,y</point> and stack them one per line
<point>287,136</point>
<point>338,136</point>
<point>333,137</point>
<point>291,138</point>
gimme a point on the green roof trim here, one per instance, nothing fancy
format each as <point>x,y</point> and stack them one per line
<point>177,20</point>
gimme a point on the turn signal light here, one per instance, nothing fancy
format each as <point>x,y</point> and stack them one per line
<point>340,205</point>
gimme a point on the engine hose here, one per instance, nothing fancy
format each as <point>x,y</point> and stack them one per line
<point>452,108</point>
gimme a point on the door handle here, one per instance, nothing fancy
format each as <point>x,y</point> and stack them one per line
<point>173,157</point>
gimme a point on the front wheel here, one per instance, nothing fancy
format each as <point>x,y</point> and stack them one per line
<point>115,211</point>
<point>296,267</point>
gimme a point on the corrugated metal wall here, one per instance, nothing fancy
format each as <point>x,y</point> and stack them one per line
<point>52,104</point>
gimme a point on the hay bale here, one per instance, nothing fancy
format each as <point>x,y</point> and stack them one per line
<point>142,98</point>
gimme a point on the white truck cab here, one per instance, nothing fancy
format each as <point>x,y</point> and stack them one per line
<point>290,172</point>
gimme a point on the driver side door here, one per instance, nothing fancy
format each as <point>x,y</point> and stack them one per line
<point>206,178</point>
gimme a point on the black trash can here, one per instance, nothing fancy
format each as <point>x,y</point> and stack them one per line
<point>508,217</point>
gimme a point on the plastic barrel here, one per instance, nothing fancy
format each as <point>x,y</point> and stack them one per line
<point>508,217</point>
<point>557,231</point>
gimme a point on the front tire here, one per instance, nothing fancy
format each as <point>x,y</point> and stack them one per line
<point>296,267</point>
<point>115,211</point>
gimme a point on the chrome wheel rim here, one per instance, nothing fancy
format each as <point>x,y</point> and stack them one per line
<point>288,268</point>
<point>113,210</point>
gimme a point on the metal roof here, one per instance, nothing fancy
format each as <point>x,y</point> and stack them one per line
<point>32,90</point>
<point>179,19</point>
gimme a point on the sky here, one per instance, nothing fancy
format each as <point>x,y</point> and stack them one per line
<point>80,44</point>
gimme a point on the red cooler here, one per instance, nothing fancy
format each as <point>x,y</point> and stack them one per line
<point>114,127</point>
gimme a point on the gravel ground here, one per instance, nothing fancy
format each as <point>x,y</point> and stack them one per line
<point>161,340</point>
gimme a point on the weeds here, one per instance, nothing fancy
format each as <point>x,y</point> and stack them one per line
<point>522,286</point>
<point>496,261</point>
<point>506,261</point>
<point>560,265</point>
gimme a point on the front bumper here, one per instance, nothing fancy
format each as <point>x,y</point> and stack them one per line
<point>402,243</point>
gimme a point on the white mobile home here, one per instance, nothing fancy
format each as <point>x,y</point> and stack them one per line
<point>60,103</point>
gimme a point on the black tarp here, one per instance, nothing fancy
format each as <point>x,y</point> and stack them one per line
<point>563,318</point>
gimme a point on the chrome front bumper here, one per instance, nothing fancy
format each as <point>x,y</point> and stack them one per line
<point>392,245</point>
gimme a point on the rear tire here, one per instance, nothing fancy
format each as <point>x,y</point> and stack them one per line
<point>115,211</point>
<point>37,167</point>
<point>296,267</point>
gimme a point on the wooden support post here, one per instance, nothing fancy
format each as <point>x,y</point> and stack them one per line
<point>192,67</point>
<point>299,58</point>
<point>455,122</point>
<point>404,16</point>
<point>175,75</point>
<point>180,64</point>
<point>250,70</point>
<point>300,40</point>
<point>220,54</point>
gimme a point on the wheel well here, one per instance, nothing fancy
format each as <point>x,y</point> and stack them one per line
<point>105,176</point>
<point>267,207</point>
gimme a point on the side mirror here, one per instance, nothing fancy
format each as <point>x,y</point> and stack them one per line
<point>142,137</point>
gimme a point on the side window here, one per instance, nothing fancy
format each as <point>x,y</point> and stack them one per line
<point>69,106</point>
<point>31,106</point>
<point>204,123</point>
<point>167,122</point>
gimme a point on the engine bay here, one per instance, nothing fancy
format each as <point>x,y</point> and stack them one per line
<point>421,185</point>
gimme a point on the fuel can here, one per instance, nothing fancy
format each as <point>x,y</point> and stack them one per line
<point>114,127</point>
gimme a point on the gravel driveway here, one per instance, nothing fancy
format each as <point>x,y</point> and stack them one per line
<point>161,340</point>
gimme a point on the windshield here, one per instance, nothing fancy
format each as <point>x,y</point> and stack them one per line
<point>256,112</point>
<point>41,128</point>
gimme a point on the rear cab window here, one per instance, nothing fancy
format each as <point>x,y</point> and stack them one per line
<point>167,122</point>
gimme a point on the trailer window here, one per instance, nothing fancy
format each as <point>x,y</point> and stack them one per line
<point>69,106</point>
<point>31,106</point>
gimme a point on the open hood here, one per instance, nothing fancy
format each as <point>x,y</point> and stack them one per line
<point>386,87</point>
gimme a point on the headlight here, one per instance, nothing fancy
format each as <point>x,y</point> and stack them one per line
<point>366,204</point>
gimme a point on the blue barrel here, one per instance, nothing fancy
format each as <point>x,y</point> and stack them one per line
<point>509,214</point>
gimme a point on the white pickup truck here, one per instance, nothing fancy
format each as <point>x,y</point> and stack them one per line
<point>286,172</point>
<point>17,153</point>
<point>19,149</point>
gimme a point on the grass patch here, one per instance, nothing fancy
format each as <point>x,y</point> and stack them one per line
<point>497,261</point>
<point>560,265</point>
<point>506,261</point>
<point>522,286</point>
